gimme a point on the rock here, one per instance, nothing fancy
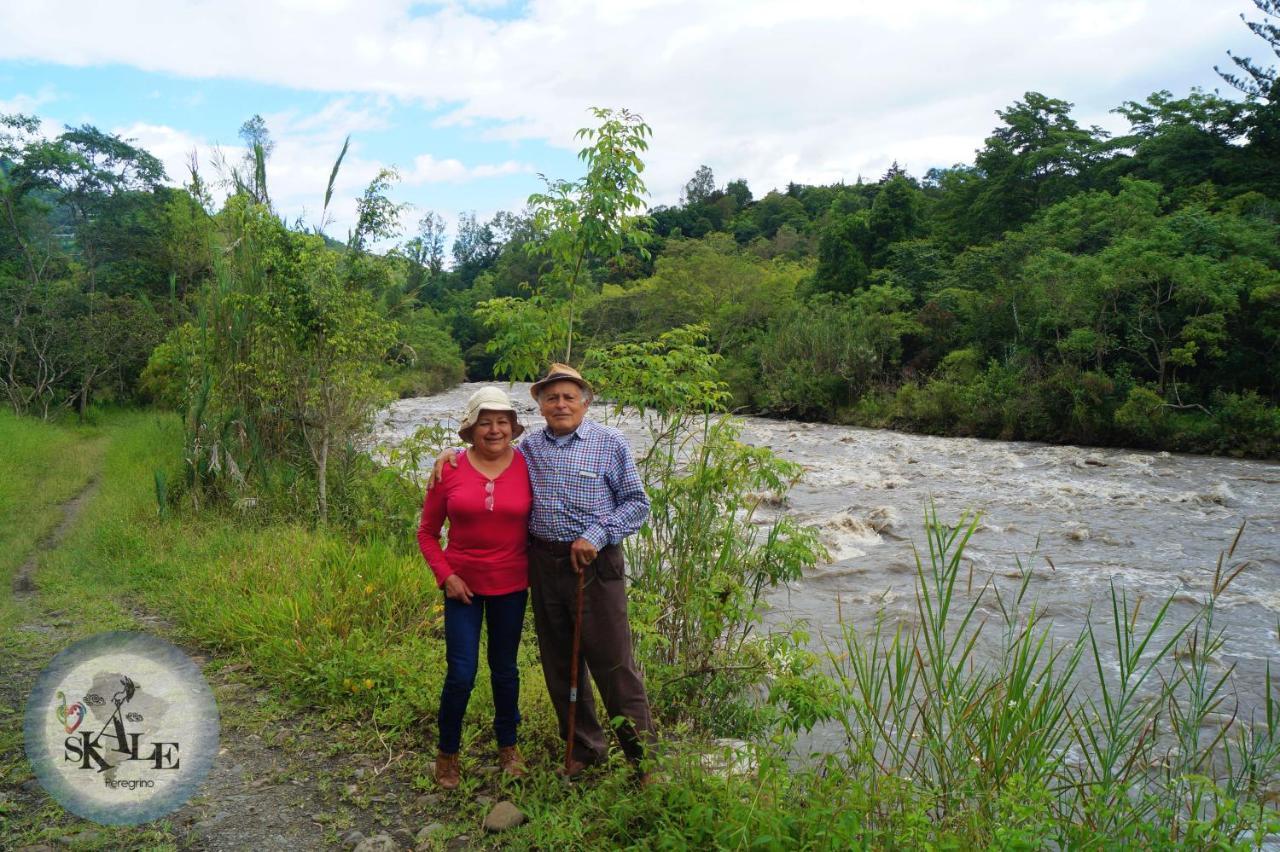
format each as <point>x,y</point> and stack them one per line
<point>428,831</point>
<point>352,837</point>
<point>732,757</point>
<point>80,839</point>
<point>404,837</point>
<point>39,847</point>
<point>31,785</point>
<point>427,799</point>
<point>458,843</point>
<point>378,843</point>
<point>504,816</point>
<point>484,801</point>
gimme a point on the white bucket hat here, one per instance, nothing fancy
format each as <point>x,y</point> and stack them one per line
<point>487,398</point>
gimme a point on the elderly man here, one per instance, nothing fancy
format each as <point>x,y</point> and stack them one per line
<point>587,497</point>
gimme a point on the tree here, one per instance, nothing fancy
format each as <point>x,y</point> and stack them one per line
<point>1038,158</point>
<point>1262,85</point>
<point>252,176</point>
<point>842,251</point>
<point>377,216</point>
<point>895,216</point>
<point>86,168</point>
<point>700,187</point>
<point>1258,81</point>
<point>598,215</point>
<point>475,248</point>
<point>739,192</point>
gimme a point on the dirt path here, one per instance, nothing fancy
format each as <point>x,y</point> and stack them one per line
<point>23,579</point>
<point>282,779</point>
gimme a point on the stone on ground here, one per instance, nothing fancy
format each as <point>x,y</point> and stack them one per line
<point>378,843</point>
<point>503,816</point>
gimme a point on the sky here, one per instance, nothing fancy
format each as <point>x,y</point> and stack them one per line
<point>472,101</point>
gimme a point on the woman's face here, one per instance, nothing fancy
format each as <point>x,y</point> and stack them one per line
<point>492,433</point>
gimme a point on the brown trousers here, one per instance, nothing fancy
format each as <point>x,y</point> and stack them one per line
<point>605,649</point>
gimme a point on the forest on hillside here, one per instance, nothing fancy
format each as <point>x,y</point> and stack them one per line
<point>1068,285</point>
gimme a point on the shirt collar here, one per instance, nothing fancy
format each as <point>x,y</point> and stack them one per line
<point>580,433</point>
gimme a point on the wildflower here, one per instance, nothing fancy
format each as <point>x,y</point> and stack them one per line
<point>368,590</point>
<point>368,683</point>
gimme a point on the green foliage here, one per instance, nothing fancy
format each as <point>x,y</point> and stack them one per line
<point>526,333</point>
<point>701,564</point>
<point>281,364</point>
<point>598,215</point>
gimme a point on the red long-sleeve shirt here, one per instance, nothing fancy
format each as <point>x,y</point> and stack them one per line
<point>488,549</point>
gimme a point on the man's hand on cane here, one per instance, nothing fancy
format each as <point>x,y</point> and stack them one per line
<point>582,553</point>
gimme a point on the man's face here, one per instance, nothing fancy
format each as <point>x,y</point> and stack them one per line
<point>564,405</point>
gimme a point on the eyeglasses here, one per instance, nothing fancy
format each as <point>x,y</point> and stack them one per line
<point>488,496</point>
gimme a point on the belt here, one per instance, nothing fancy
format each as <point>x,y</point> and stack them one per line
<point>558,548</point>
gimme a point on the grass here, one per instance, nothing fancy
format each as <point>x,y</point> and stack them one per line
<point>41,466</point>
<point>943,747</point>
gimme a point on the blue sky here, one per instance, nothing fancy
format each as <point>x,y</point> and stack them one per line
<point>470,100</point>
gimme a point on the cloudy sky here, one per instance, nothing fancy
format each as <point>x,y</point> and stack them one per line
<point>471,100</point>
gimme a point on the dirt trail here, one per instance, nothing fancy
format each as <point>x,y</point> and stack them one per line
<point>282,779</point>
<point>23,580</point>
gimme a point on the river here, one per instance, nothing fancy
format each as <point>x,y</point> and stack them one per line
<point>1079,518</point>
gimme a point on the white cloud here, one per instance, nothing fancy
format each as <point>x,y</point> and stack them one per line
<point>803,90</point>
<point>428,169</point>
<point>28,104</point>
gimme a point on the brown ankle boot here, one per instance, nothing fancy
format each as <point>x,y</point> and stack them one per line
<point>511,762</point>
<point>448,771</point>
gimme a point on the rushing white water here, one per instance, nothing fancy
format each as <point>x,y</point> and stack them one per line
<point>1079,518</point>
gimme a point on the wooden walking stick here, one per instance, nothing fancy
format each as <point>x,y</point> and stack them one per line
<point>573,679</point>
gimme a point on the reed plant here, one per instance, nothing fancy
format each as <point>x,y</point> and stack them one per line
<point>994,730</point>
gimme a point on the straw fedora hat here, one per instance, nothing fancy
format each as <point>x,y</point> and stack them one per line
<point>488,398</point>
<point>560,372</point>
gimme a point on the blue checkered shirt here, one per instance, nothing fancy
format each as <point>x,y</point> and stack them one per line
<point>585,485</point>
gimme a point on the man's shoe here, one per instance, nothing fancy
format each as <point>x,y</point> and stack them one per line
<point>511,762</point>
<point>575,769</point>
<point>652,778</point>
<point>448,772</point>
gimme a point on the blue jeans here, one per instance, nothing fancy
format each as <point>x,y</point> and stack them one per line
<point>505,614</point>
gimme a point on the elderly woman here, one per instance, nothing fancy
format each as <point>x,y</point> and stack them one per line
<point>484,573</point>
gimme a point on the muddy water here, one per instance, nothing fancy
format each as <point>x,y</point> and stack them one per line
<point>1079,518</point>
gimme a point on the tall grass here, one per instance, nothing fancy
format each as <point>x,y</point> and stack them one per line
<point>997,745</point>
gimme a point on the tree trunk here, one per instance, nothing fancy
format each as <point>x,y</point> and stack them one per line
<point>322,484</point>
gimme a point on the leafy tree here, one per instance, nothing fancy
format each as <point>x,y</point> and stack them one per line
<point>1038,158</point>
<point>251,177</point>
<point>700,187</point>
<point>843,247</point>
<point>87,169</point>
<point>1258,81</point>
<point>739,192</point>
<point>475,248</point>
<point>598,215</point>
<point>895,216</point>
<point>377,216</point>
